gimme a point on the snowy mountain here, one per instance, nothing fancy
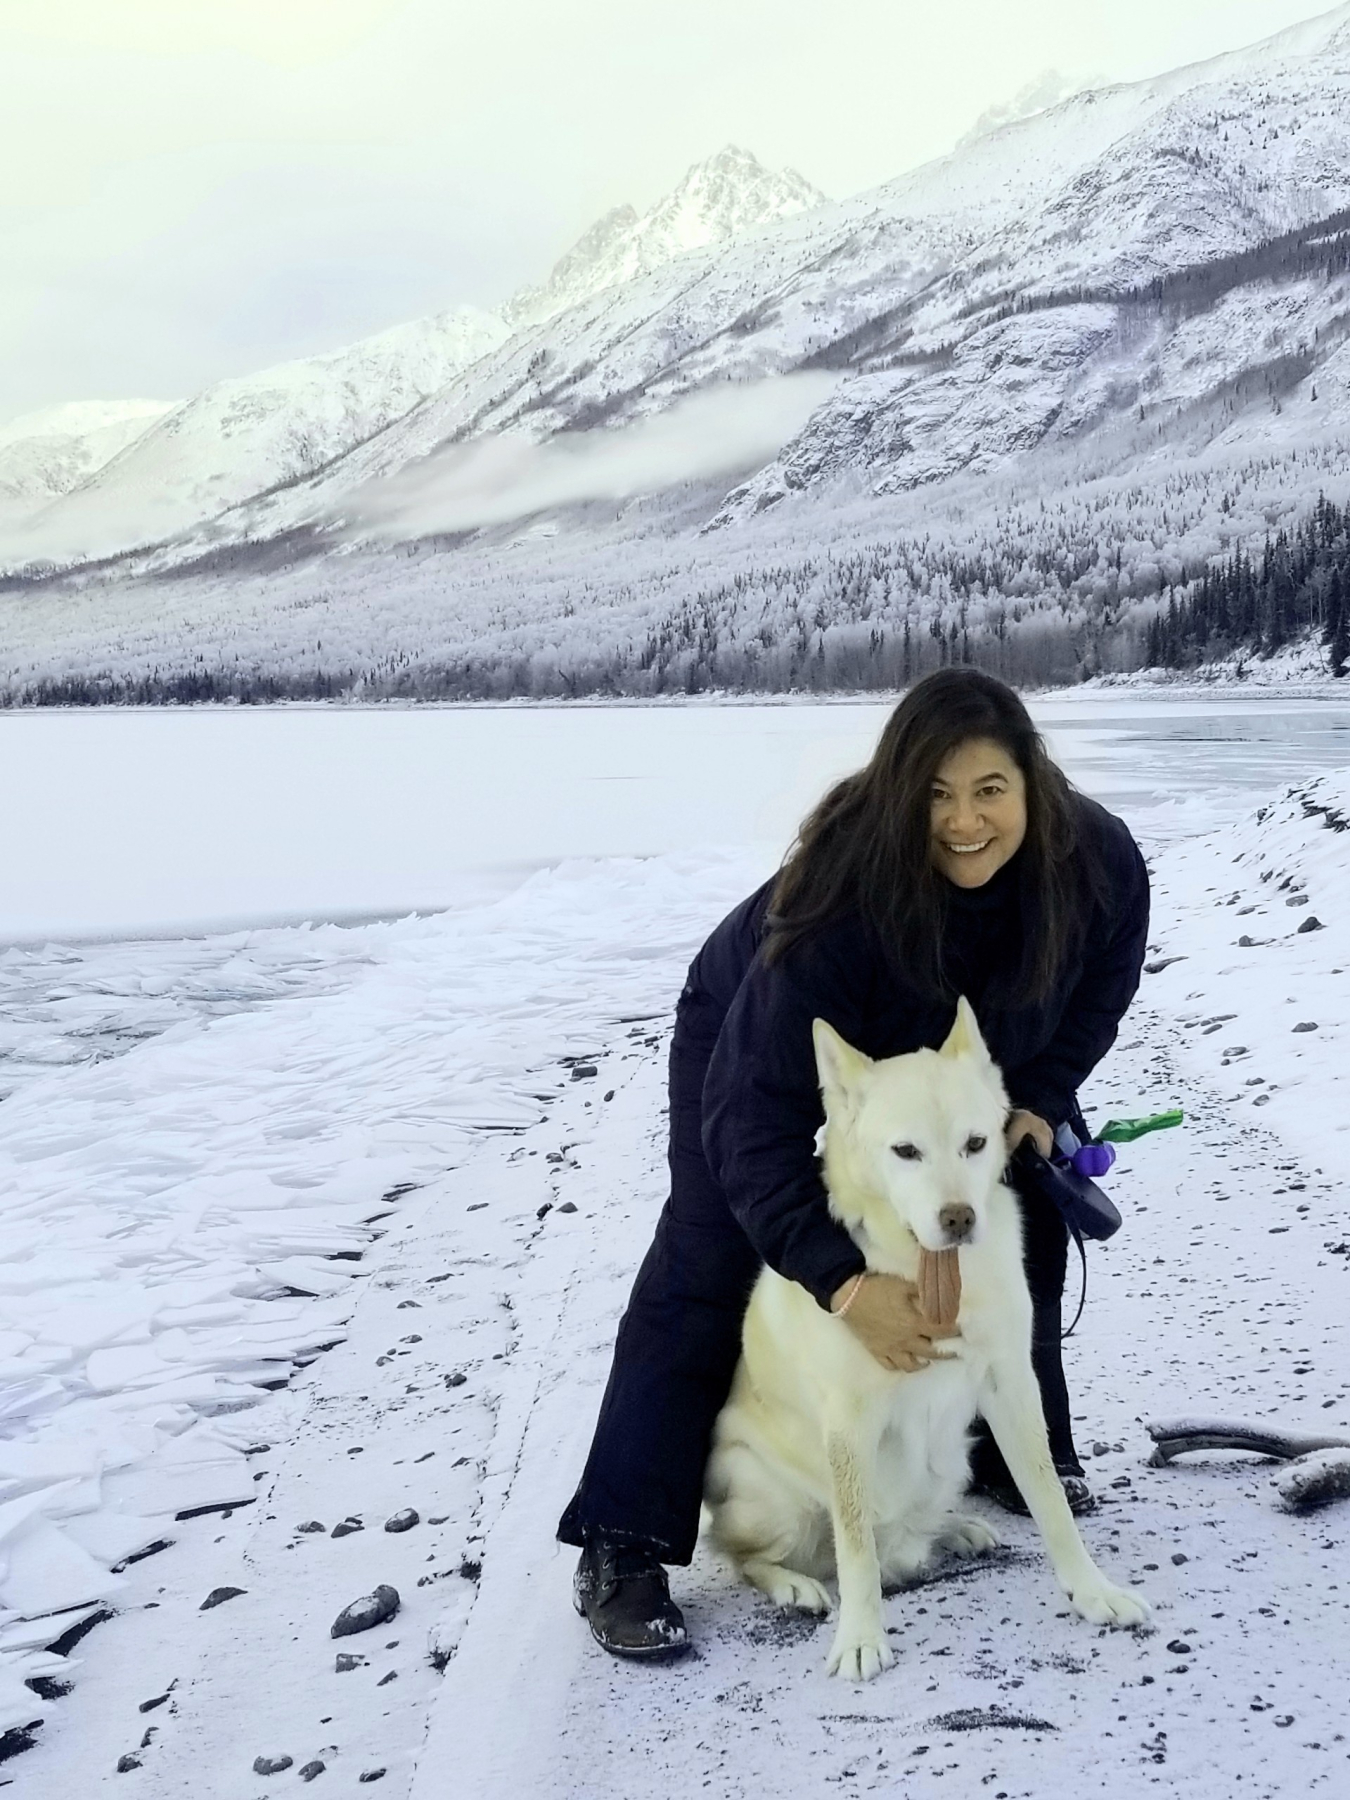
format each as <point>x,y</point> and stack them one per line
<point>1117,271</point>
<point>1029,386</point>
<point>255,434</point>
<point>997,302</point>
<point>718,200</point>
<point>46,454</point>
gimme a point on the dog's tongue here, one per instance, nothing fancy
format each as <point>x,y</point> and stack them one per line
<point>939,1286</point>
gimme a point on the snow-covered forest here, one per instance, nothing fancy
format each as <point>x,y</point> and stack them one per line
<point>1040,588</point>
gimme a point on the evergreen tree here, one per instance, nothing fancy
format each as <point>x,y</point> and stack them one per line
<point>1337,636</point>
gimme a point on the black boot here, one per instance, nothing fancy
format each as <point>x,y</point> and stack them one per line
<point>1004,1493</point>
<point>622,1593</point>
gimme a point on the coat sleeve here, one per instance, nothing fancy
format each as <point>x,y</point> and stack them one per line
<point>762,1109</point>
<point>1047,1083</point>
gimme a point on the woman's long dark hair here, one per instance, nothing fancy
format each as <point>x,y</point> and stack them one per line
<point>868,844</point>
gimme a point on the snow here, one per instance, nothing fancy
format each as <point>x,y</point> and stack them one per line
<point>254,816</point>
<point>78,418</point>
<point>723,198</point>
<point>49,453</point>
<point>252,434</point>
<point>989,312</point>
<point>272,431</point>
<point>241,1149</point>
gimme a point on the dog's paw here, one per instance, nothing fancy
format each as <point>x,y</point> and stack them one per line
<point>1103,1604</point>
<point>788,1588</point>
<point>859,1656</point>
<point>801,1593</point>
<point>965,1535</point>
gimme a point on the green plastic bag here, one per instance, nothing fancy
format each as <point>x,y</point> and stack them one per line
<point>1125,1131</point>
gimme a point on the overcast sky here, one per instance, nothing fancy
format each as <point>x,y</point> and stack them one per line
<point>197,188</point>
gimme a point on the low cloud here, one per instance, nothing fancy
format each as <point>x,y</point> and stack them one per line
<point>1047,90</point>
<point>721,432</point>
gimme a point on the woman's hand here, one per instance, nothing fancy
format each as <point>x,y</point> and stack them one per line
<point>1032,1125</point>
<point>884,1315</point>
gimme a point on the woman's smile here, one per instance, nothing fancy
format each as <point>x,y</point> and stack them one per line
<point>979,816</point>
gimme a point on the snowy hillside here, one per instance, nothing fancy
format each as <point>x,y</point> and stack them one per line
<point>261,434</point>
<point>46,454</point>
<point>257,433</point>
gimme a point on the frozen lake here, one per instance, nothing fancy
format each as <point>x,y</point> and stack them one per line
<point>117,822</point>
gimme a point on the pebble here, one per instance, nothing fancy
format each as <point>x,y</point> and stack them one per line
<point>346,1662</point>
<point>311,1769</point>
<point>1306,1025</point>
<point>1180,1557</point>
<point>345,1527</point>
<point>371,1775</point>
<point>312,1525</point>
<point>271,1765</point>
<point>403,1521</point>
<point>386,1679</point>
<point>584,1071</point>
<point>369,1610</point>
<point>1297,900</point>
<point>568,1206</point>
<point>457,1379</point>
<point>218,1596</point>
<point>1179,1647</point>
<point>1100,1449</point>
<point>1311,923</point>
<point>150,1705</point>
<point>127,1763</point>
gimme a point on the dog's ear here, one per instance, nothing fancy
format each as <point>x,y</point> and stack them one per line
<point>839,1066</point>
<point>964,1038</point>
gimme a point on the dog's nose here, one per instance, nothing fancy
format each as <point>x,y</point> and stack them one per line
<point>957,1221</point>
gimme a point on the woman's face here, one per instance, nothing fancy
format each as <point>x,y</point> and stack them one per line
<point>979,813</point>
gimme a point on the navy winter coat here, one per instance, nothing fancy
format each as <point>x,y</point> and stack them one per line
<point>761,1098</point>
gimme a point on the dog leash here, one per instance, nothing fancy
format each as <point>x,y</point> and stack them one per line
<point>1067,1179</point>
<point>1082,1298</point>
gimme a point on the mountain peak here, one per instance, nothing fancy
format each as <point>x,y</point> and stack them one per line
<point>727,194</point>
<point>723,196</point>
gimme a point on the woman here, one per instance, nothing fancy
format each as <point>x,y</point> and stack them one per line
<point>959,861</point>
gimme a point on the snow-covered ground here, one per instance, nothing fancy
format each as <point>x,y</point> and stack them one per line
<point>333,1127</point>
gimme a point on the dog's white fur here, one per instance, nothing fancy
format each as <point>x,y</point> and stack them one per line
<point>825,1462</point>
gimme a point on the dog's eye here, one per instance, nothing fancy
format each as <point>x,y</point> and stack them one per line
<point>974,1145</point>
<point>907,1152</point>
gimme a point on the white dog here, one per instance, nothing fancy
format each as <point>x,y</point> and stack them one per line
<point>825,1462</point>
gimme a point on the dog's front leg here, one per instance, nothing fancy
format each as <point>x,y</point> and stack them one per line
<point>859,1650</point>
<point>1010,1401</point>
